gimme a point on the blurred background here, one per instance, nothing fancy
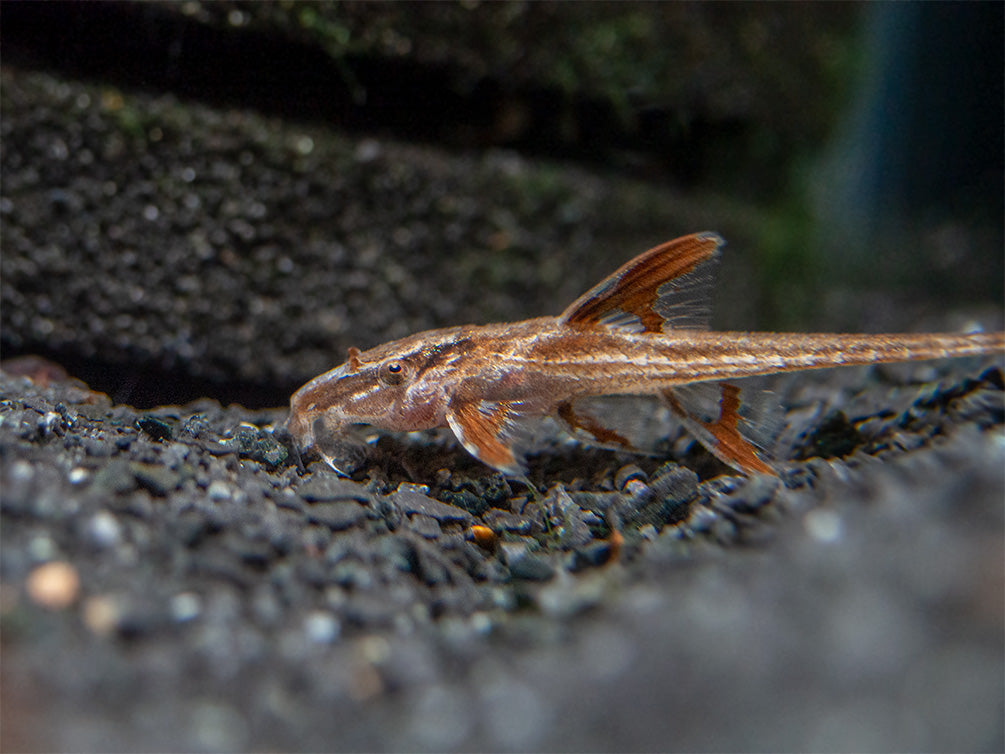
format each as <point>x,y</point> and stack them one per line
<point>217,199</point>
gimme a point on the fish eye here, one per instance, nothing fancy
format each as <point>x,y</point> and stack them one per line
<point>393,372</point>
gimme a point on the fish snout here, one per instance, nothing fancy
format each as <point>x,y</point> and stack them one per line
<point>300,428</point>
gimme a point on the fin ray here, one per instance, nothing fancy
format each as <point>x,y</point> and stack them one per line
<point>600,433</point>
<point>667,287</point>
<point>488,430</point>
<point>715,415</point>
<point>629,423</point>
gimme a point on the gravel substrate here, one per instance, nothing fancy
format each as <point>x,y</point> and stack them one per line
<point>171,581</point>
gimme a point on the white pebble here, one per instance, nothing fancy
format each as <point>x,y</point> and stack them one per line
<point>304,145</point>
<point>321,627</point>
<point>104,529</point>
<point>42,548</point>
<point>185,606</point>
<point>218,490</point>
<point>824,526</point>
<point>21,471</point>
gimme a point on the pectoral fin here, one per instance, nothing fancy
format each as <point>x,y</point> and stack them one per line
<point>667,287</point>
<point>601,434</point>
<point>712,413</point>
<point>488,431</point>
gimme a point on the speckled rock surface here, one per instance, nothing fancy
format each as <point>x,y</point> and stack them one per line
<point>171,582</point>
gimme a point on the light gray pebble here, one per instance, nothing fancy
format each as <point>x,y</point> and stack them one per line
<point>218,490</point>
<point>321,627</point>
<point>337,516</point>
<point>410,501</point>
<point>327,487</point>
<point>104,529</point>
<point>425,526</point>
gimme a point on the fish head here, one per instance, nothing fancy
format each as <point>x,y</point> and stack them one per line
<point>400,386</point>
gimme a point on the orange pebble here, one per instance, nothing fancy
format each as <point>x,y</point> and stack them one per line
<point>483,536</point>
<point>54,585</point>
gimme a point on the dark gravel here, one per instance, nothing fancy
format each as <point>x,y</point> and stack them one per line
<point>218,600</point>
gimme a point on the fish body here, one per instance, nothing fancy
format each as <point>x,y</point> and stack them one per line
<point>641,331</point>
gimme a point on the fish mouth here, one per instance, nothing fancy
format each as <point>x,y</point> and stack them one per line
<point>300,430</point>
<point>327,437</point>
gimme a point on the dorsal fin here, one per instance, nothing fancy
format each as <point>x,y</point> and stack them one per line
<point>352,360</point>
<point>667,287</point>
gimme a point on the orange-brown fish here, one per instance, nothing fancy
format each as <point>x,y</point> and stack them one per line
<point>642,330</point>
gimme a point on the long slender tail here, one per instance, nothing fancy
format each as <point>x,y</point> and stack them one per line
<point>837,350</point>
<point>747,354</point>
<point>731,355</point>
<point>783,352</point>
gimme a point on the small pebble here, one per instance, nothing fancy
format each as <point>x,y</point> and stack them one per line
<point>21,471</point>
<point>321,627</point>
<point>257,444</point>
<point>218,490</point>
<point>824,526</point>
<point>368,150</point>
<point>629,473</point>
<point>104,529</point>
<point>525,565</point>
<point>376,650</point>
<point>50,423</point>
<point>505,521</point>
<point>323,487</point>
<point>42,547</point>
<point>336,516</point>
<point>754,495</point>
<point>410,501</point>
<point>155,427</point>
<point>101,614</point>
<point>701,519</point>
<point>596,554</point>
<point>185,606</point>
<point>425,526</point>
<point>115,478</point>
<point>54,585</point>
<point>484,537</point>
<point>157,479</point>
<point>481,622</point>
<point>724,531</point>
<point>78,475</point>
